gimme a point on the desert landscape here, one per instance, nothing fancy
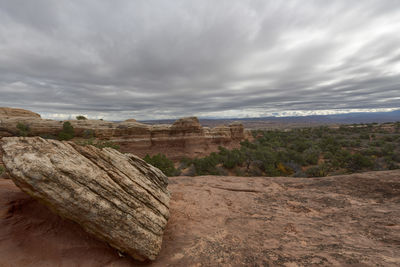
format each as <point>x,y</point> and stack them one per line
<point>229,221</point>
<point>343,220</point>
<point>199,133</point>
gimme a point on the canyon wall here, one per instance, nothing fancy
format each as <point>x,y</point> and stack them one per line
<point>184,138</point>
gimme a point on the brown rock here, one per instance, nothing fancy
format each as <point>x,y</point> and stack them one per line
<point>130,120</point>
<point>184,138</point>
<point>117,198</point>
<point>17,112</point>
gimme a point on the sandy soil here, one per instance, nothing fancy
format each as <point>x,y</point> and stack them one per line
<point>230,221</point>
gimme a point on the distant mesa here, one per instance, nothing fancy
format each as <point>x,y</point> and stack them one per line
<point>130,120</point>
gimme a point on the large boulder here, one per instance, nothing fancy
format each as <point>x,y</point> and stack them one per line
<point>116,197</point>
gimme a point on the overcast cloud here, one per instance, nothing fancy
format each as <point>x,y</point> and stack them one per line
<point>166,59</point>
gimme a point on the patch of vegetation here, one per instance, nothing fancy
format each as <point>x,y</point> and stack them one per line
<point>81,117</point>
<point>307,152</point>
<point>67,132</point>
<point>23,129</point>
<point>1,170</point>
<point>161,162</point>
<point>88,134</point>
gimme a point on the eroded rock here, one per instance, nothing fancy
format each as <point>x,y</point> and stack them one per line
<point>184,138</point>
<point>17,112</point>
<point>117,198</point>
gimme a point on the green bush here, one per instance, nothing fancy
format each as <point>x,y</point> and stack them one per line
<point>67,132</point>
<point>88,134</point>
<point>358,162</point>
<point>317,171</point>
<point>23,129</point>
<point>80,117</point>
<point>1,170</point>
<point>161,162</point>
<point>311,156</point>
<point>206,166</point>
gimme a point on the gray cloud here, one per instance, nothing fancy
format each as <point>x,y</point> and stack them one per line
<point>159,59</point>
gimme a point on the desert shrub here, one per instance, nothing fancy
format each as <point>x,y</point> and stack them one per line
<point>317,171</point>
<point>207,165</point>
<point>230,159</point>
<point>311,156</point>
<point>300,145</point>
<point>396,157</point>
<point>387,149</point>
<point>23,129</point>
<point>329,144</point>
<point>373,152</point>
<point>67,132</point>
<point>285,169</point>
<point>239,172</point>
<point>358,162</point>
<point>88,133</point>
<point>80,117</point>
<point>184,163</point>
<point>255,172</point>
<point>161,162</point>
<point>191,171</point>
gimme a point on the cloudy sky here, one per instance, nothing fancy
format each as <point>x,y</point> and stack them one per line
<point>156,59</point>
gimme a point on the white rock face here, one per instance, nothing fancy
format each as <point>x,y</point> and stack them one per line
<point>117,197</point>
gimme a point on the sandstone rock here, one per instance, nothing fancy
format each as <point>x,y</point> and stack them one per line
<point>17,112</point>
<point>115,197</point>
<point>184,138</point>
<point>187,125</point>
<point>130,120</point>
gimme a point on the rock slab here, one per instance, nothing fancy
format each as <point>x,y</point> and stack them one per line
<point>118,198</point>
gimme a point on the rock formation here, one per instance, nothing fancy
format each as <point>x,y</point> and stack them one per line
<point>184,138</point>
<point>115,197</point>
<point>17,112</point>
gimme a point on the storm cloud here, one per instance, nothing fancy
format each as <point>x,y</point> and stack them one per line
<point>156,59</point>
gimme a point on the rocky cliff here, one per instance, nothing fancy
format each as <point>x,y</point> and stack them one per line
<point>184,138</point>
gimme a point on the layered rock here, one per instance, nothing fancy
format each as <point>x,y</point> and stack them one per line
<point>184,138</point>
<point>17,112</point>
<point>115,197</point>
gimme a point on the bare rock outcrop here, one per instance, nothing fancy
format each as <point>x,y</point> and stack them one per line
<point>17,112</point>
<point>184,138</point>
<point>117,198</point>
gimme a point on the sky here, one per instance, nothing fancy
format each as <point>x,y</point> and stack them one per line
<point>159,59</point>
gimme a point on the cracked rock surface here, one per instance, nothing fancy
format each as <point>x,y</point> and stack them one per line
<point>116,198</point>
